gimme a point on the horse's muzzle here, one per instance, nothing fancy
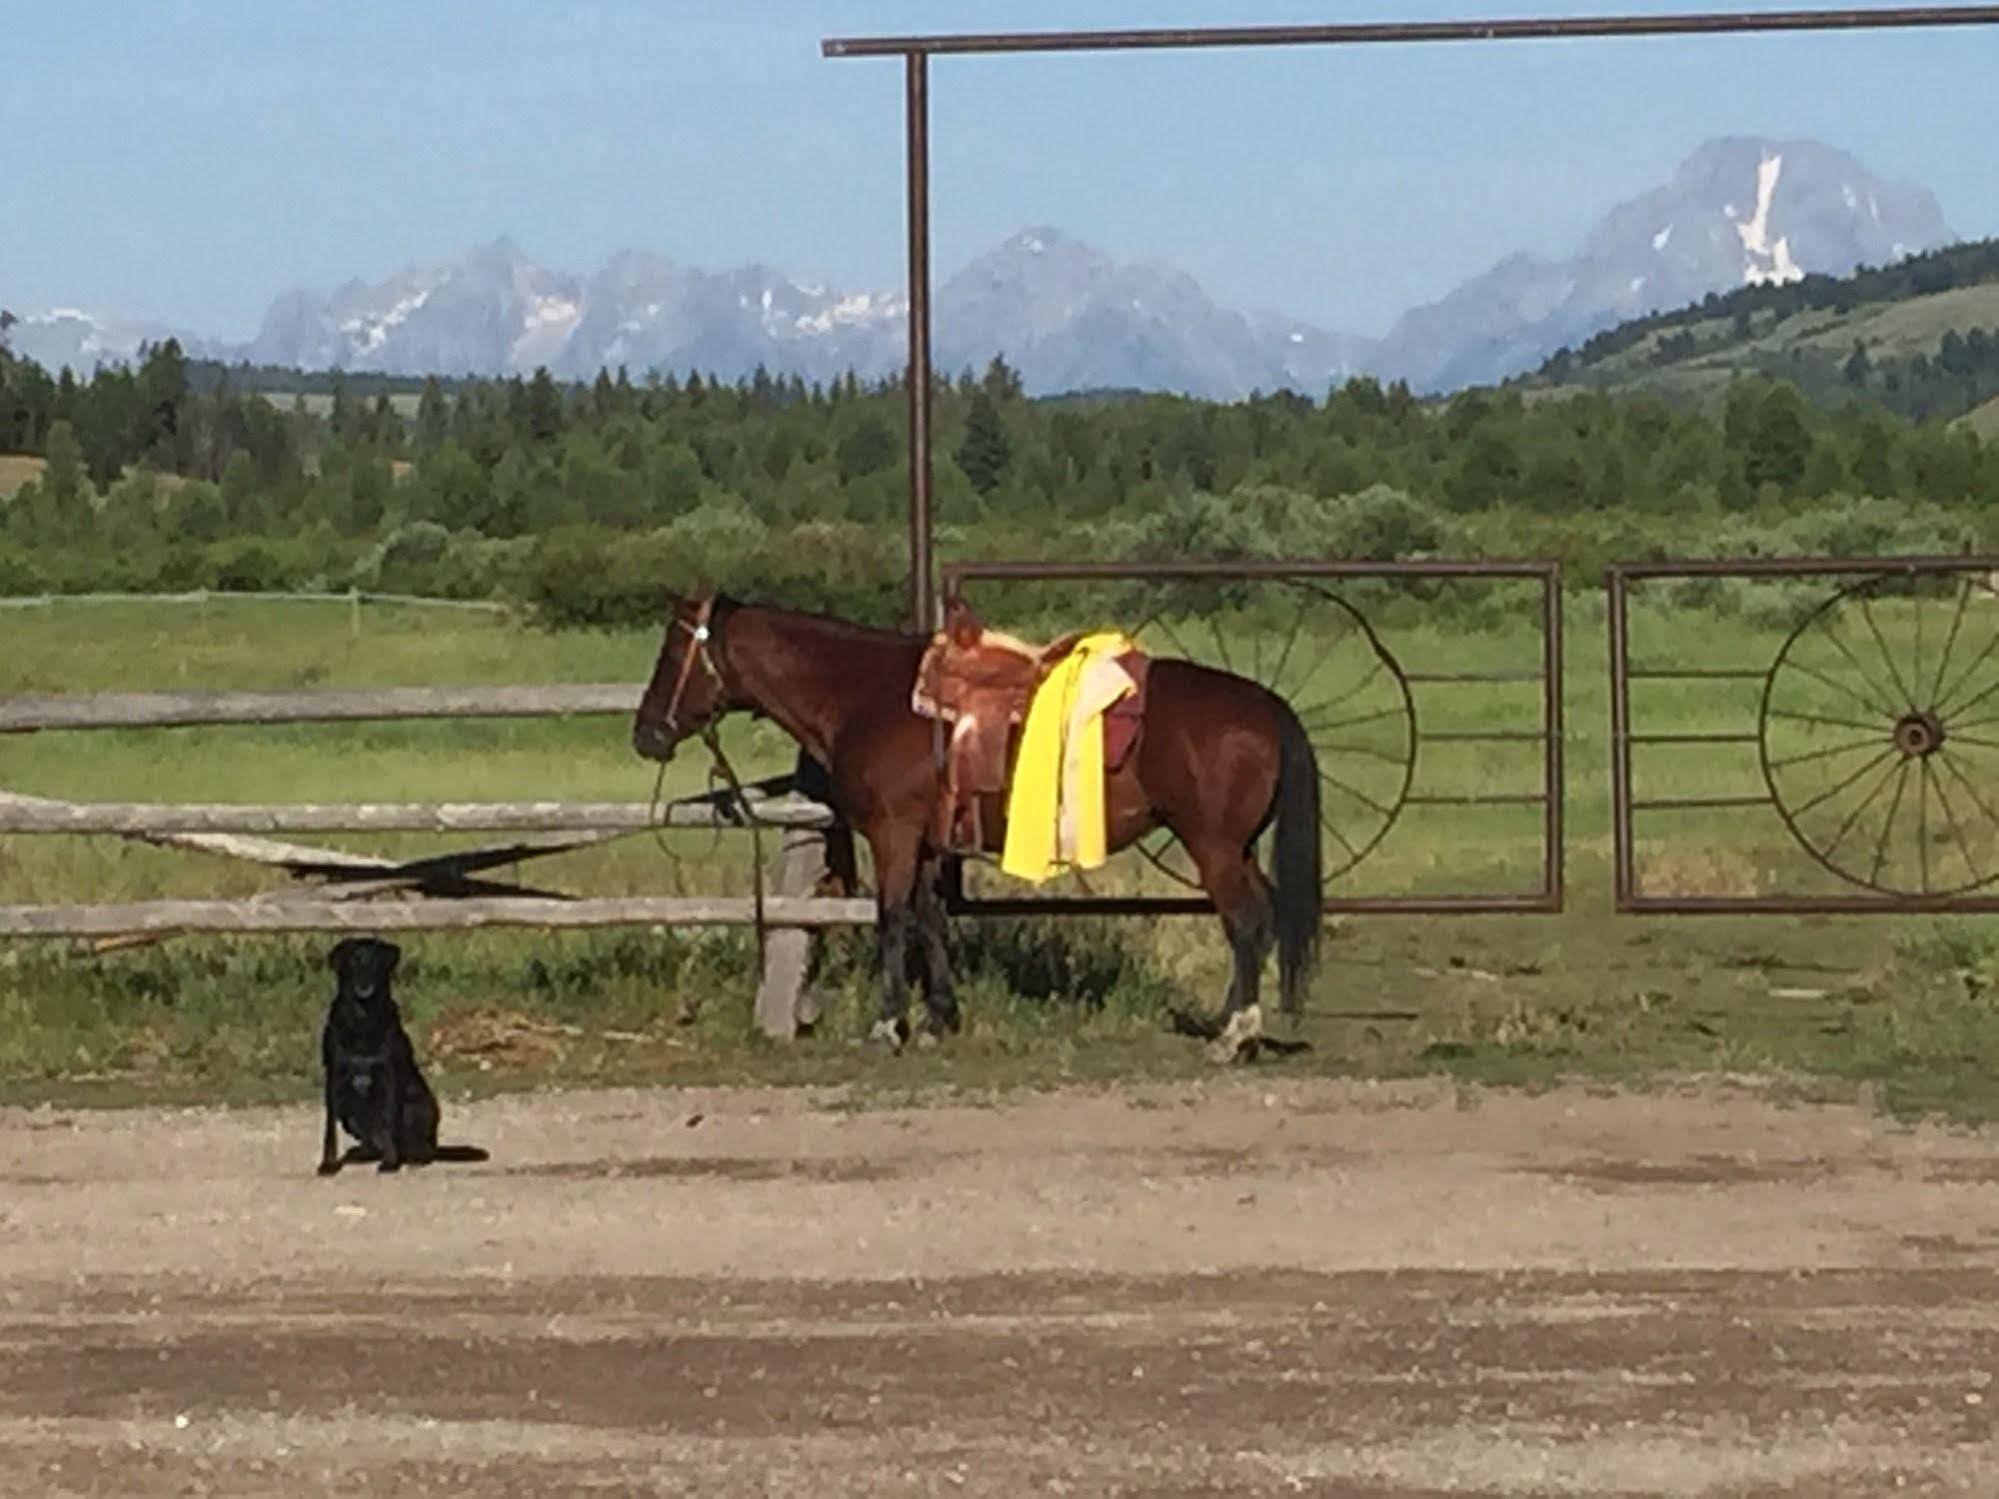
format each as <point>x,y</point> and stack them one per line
<point>652,742</point>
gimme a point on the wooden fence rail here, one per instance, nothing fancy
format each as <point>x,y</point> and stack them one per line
<point>290,915</point>
<point>34,814</point>
<point>155,710</point>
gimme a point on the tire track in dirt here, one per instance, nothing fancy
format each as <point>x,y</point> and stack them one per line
<point>1328,1289</point>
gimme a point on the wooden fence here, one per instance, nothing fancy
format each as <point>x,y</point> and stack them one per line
<point>444,892</point>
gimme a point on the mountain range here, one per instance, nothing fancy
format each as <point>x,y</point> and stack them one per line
<point>1739,211</point>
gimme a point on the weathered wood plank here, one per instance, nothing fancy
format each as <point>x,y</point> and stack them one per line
<point>24,814</point>
<point>134,710</point>
<point>422,915</point>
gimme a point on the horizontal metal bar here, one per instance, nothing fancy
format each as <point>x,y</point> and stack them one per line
<point>131,710</point>
<point>1374,32</point>
<point>1795,567</point>
<point>1540,903</point>
<point>173,916</point>
<point>1805,905</point>
<point>1242,571</point>
<point>1495,736</point>
<point>1693,738</point>
<point>1473,676</point>
<point>1525,799</point>
<point>1690,674</point>
<point>1687,803</point>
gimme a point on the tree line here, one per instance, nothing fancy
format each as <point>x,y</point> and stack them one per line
<point>582,495</point>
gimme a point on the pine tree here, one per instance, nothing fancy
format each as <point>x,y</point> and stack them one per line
<point>985,452</point>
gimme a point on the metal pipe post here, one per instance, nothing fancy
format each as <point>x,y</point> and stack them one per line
<point>917,102</point>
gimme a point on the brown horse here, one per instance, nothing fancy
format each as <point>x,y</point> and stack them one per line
<point>1220,759</point>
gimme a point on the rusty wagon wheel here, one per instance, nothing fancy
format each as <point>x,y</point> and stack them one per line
<point>1879,735</point>
<point>1347,688</point>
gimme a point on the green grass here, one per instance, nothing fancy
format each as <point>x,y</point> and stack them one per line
<point>1902,1007</point>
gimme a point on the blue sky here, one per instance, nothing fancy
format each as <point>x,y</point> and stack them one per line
<point>186,160</point>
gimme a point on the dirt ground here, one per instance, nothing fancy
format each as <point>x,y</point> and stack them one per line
<point>1245,1286</point>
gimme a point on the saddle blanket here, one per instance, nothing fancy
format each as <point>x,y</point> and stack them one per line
<point>1055,809</point>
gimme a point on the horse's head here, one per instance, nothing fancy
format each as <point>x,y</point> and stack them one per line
<point>686,692</point>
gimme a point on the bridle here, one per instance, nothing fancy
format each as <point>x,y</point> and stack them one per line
<point>699,635</point>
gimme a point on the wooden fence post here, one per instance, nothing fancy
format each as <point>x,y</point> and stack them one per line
<point>782,1002</point>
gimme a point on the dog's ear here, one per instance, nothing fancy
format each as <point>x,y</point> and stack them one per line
<point>393,954</point>
<point>337,959</point>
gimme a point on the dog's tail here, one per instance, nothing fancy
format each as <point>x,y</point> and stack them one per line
<point>460,1153</point>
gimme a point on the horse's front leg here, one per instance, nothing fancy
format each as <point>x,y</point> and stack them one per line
<point>939,993</point>
<point>896,923</point>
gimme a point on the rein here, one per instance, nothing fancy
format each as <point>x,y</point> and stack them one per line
<point>698,646</point>
<point>743,809</point>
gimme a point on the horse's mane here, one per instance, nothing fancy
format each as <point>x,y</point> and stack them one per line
<point>827,624</point>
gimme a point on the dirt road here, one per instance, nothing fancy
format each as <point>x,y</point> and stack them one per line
<point>1242,1287</point>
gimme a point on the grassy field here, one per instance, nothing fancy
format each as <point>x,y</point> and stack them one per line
<point>1901,1005</point>
<point>17,469</point>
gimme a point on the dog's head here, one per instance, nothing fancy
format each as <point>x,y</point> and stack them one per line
<point>364,965</point>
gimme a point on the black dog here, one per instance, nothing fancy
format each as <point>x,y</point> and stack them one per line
<point>373,1087</point>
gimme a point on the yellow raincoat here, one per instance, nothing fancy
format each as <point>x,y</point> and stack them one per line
<point>1055,809</point>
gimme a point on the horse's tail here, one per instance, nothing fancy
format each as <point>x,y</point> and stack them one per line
<point>1295,860</point>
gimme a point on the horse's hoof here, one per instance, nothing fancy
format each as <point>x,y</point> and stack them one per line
<point>1239,1038</point>
<point>889,1035</point>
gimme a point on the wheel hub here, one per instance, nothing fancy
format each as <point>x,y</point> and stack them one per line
<point>1919,734</point>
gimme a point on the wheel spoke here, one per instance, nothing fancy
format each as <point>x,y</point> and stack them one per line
<point>1923,822</point>
<point>1173,637</point>
<point>1826,754</point>
<point>1950,640</point>
<point>1972,702</point>
<point>1854,816</point>
<point>1221,645</point>
<point>1944,697</point>
<point>1353,854</point>
<point>1359,796</point>
<point>1886,702</point>
<point>1360,749</point>
<point>1828,795</point>
<point>1888,824</point>
<point>1820,718</point>
<point>1819,676</point>
<point>1956,832</point>
<point>1887,656</point>
<point>1354,691</point>
<point>1313,729</point>
<point>1957,738</point>
<point>1276,682</point>
<point>1970,787</point>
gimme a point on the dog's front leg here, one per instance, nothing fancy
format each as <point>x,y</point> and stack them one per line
<point>329,1156</point>
<point>392,1112</point>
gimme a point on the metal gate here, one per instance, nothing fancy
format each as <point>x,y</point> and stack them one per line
<point>1828,730</point>
<point>1404,726</point>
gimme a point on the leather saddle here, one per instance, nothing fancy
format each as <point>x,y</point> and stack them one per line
<point>980,683</point>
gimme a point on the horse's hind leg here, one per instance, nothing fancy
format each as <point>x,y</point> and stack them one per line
<point>1242,896</point>
<point>939,993</point>
<point>895,851</point>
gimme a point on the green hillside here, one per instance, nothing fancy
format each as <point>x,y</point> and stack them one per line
<point>1920,338</point>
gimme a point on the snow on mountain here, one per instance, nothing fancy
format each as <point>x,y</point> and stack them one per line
<point>1739,211</point>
